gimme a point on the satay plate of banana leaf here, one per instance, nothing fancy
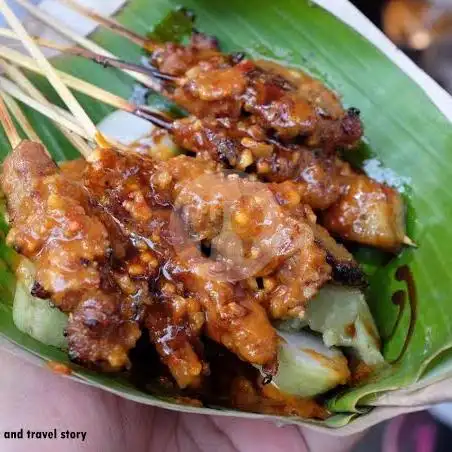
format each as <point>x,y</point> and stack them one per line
<point>406,142</point>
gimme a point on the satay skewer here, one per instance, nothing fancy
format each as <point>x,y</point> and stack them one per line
<point>242,156</point>
<point>20,118</point>
<point>10,129</point>
<point>66,31</point>
<point>260,346</point>
<point>61,89</point>
<point>41,201</point>
<point>109,23</point>
<point>318,118</point>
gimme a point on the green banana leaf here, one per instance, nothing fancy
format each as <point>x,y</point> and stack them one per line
<point>403,129</point>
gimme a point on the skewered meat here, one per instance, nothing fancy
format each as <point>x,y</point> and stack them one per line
<point>174,323</point>
<point>298,175</point>
<point>316,176</point>
<point>53,225</point>
<point>208,83</point>
<point>369,213</point>
<point>137,193</point>
<point>140,194</point>
<point>295,108</point>
<point>174,320</point>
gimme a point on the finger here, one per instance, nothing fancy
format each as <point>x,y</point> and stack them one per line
<point>249,435</point>
<point>322,441</point>
<point>34,399</point>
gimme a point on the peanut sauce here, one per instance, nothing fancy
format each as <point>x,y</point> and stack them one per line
<point>210,83</point>
<point>59,368</point>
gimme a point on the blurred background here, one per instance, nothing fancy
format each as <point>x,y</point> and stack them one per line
<point>423,30</point>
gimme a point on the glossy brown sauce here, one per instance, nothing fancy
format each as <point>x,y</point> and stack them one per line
<point>350,330</point>
<point>231,383</point>
<point>400,299</point>
<point>59,368</point>
<point>208,83</point>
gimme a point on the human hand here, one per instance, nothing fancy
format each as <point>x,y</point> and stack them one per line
<point>33,398</point>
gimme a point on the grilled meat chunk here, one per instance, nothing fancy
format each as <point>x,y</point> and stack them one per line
<point>132,190</point>
<point>54,226</point>
<point>369,213</point>
<point>209,83</point>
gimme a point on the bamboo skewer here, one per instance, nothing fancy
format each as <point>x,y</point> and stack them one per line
<point>73,82</point>
<point>408,242</point>
<point>64,30</point>
<point>89,129</point>
<point>55,113</point>
<point>8,124</point>
<point>53,78</point>
<point>107,22</point>
<point>18,114</point>
<point>81,86</point>
<point>98,58</point>
<point>15,74</point>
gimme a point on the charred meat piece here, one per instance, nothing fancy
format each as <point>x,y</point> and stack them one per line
<point>98,335</point>
<point>346,269</point>
<point>146,197</point>
<point>369,213</point>
<point>134,192</point>
<point>54,226</point>
<point>120,185</point>
<point>340,127</point>
<point>175,322</point>
<point>296,281</point>
<point>315,176</point>
<point>209,83</point>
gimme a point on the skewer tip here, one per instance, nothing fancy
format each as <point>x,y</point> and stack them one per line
<point>408,242</point>
<point>6,121</point>
<point>155,118</point>
<point>102,141</point>
<point>109,23</point>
